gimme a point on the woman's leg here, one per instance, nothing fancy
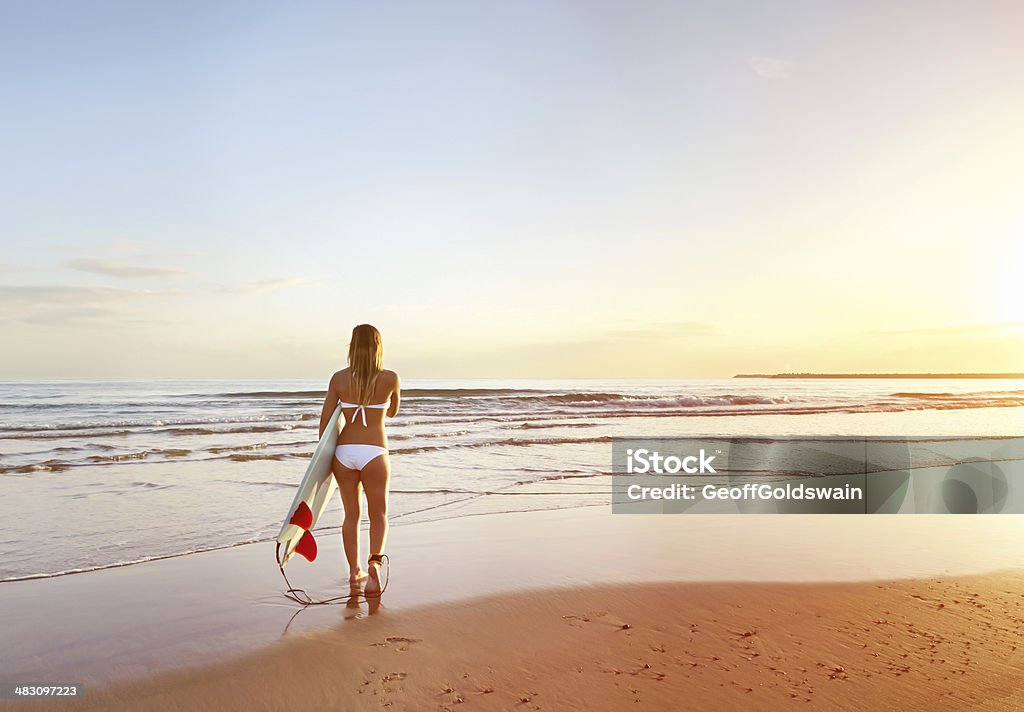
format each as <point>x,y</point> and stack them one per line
<point>375,476</point>
<point>348,486</point>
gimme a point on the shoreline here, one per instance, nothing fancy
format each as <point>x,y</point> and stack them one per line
<point>134,621</point>
<point>935,644</point>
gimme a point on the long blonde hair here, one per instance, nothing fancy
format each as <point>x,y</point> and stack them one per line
<point>365,358</point>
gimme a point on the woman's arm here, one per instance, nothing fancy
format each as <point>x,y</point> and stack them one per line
<point>330,403</point>
<point>395,398</point>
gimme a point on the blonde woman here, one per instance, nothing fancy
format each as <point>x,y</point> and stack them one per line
<point>366,392</point>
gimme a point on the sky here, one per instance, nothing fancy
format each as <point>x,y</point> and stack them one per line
<point>520,189</point>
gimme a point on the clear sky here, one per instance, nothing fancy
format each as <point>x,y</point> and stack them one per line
<point>537,188</point>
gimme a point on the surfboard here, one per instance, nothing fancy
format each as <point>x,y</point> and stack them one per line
<point>315,491</point>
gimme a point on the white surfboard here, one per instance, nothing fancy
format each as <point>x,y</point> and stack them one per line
<point>315,491</point>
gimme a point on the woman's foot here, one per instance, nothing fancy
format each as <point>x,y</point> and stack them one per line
<point>356,578</point>
<point>373,587</point>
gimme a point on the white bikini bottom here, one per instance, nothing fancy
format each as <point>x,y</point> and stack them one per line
<point>356,457</point>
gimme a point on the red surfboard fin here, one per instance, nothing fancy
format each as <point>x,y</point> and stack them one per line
<point>303,517</point>
<point>307,547</point>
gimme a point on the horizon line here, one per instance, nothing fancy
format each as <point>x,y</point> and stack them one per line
<point>879,375</point>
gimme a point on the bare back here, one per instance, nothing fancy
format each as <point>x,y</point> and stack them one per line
<point>353,431</point>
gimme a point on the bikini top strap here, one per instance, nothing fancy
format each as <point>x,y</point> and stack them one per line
<point>361,409</point>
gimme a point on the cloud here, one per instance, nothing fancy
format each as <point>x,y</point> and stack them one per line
<point>667,330</point>
<point>263,286</point>
<point>122,270</point>
<point>771,67</point>
<point>143,250</point>
<point>59,294</point>
<point>66,316</point>
<point>62,305</point>
<point>129,249</point>
<point>956,330</point>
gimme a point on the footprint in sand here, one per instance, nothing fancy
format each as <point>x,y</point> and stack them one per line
<point>453,696</point>
<point>389,687</point>
<point>578,620</point>
<point>397,642</point>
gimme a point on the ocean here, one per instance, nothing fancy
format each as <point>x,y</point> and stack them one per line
<point>95,474</point>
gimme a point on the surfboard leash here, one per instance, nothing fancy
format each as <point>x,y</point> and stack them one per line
<point>302,598</point>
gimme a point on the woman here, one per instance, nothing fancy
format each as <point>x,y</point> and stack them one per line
<point>364,390</point>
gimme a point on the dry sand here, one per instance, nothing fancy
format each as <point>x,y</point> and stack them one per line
<point>929,644</point>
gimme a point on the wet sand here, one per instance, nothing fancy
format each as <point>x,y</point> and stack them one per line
<point>520,603</point>
<point>936,644</point>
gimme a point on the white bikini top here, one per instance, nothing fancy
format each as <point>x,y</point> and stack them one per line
<point>361,409</point>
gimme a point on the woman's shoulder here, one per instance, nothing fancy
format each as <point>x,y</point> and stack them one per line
<point>338,378</point>
<point>391,376</point>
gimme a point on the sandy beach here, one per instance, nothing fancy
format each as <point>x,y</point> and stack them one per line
<point>553,610</point>
<point>671,352</point>
<point>938,644</point>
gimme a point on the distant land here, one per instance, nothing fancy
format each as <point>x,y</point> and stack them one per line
<point>879,375</point>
